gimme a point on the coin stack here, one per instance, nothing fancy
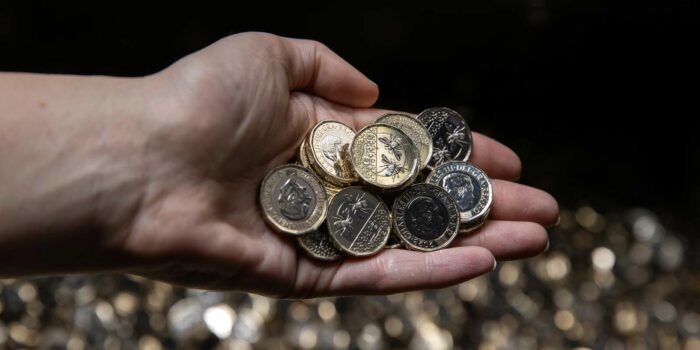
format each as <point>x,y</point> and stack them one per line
<point>335,198</point>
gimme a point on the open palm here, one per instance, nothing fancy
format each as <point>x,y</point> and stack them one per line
<point>228,114</point>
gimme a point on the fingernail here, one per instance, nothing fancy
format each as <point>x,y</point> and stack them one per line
<point>546,248</point>
<point>558,221</point>
<point>495,263</point>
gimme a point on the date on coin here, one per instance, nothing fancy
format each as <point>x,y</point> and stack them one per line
<point>426,217</point>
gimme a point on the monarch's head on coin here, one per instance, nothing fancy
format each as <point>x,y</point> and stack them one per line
<point>294,198</point>
<point>461,188</point>
<point>330,146</point>
<point>425,218</point>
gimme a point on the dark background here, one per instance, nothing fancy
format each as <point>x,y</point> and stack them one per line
<point>598,97</point>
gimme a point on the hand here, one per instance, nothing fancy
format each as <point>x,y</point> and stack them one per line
<point>218,120</point>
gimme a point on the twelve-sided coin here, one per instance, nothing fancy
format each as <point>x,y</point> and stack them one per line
<point>426,217</point>
<point>328,147</point>
<point>384,156</point>
<point>452,138</point>
<point>318,244</point>
<point>469,187</point>
<point>358,221</point>
<point>415,131</point>
<point>293,200</point>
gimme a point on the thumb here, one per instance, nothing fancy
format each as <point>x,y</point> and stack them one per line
<point>314,68</point>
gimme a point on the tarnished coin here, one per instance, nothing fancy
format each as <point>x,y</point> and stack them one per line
<point>319,244</point>
<point>469,187</point>
<point>452,138</point>
<point>426,217</point>
<point>383,156</point>
<point>328,148</point>
<point>358,221</point>
<point>293,200</point>
<point>415,131</point>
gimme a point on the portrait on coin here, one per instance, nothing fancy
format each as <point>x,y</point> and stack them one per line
<point>425,218</point>
<point>294,198</point>
<point>463,189</point>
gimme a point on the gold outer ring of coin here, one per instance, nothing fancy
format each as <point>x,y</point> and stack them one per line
<point>416,131</point>
<point>319,244</point>
<point>303,157</point>
<point>314,153</point>
<point>330,188</point>
<point>277,220</point>
<point>381,216</point>
<point>368,173</point>
<point>467,218</point>
<point>401,209</point>
<point>467,227</point>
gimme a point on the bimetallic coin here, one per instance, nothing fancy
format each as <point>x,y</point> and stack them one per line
<point>358,221</point>
<point>319,244</point>
<point>293,200</point>
<point>473,225</point>
<point>415,131</point>
<point>328,149</point>
<point>383,156</point>
<point>452,138</point>
<point>426,217</point>
<point>469,187</point>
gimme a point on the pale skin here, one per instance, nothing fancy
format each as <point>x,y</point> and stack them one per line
<point>158,176</point>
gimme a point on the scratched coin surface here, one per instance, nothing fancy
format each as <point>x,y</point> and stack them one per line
<point>426,217</point>
<point>358,221</point>
<point>384,156</point>
<point>452,138</point>
<point>415,131</point>
<point>319,244</point>
<point>469,187</point>
<point>328,151</point>
<point>293,200</point>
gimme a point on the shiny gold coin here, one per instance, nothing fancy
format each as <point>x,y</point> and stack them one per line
<point>318,244</point>
<point>415,131</point>
<point>293,200</point>
<point>303,156</point>
<point>328,152</point>
<point>384,156</point>
<point>359,222</point>
<point>472,225</point>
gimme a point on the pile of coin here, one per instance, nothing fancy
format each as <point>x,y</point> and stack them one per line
<point>403,181</point>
